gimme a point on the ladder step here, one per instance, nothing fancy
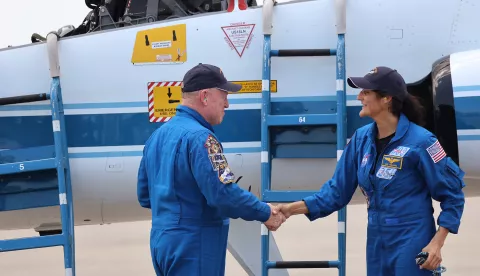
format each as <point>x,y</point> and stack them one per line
<point>32,243</point>
<point>303,264</point>
<point>28,166</point>
<point>286,196</point>
<point>294,120</point>
<point>303,52</point>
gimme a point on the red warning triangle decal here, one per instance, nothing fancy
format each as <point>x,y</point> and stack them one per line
<point>238,36</point>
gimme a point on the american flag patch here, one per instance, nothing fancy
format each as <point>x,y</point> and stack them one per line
<point>436,152</point>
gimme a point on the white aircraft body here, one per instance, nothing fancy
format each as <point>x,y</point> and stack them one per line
<point>113,96</point>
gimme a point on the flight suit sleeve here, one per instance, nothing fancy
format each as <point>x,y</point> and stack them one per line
<point>143,194</point>
<point>216,181</point>
<point>445,181</point>
<point>338,191</point>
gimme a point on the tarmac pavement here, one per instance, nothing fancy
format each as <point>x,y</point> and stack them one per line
<point>122,249</point>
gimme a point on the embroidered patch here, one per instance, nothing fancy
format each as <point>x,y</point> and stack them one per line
<point>436,152</point>
<point>399,151</point>
<point>225,174</point>
<point>386,173</point>
<point>365,159</point>
<point>218,160</point>
<point>394,162</point>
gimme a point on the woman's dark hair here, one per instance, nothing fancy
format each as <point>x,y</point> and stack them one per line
<point>411,107</point>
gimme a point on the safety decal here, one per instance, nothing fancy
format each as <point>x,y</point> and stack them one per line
<point>386,173</point>
<point>165,45</point>
<point>255,86</point>
<point>400,151</point>
<point>365,159</point>
<point>238,36</point>
<point>218,160</point>
<point>163,99</point>
<point>394,162</point>
<point>436,152</point>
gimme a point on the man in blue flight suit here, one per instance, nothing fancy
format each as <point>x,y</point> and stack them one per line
<point>400,167</point>
<point>185,179</point>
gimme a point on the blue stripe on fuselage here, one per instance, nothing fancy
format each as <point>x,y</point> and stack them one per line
<point>125,129</point>
<point>100,130</point>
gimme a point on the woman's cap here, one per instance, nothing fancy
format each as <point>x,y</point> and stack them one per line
<point>383,79</point>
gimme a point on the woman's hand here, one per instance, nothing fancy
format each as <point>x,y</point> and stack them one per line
<point>434,260</point>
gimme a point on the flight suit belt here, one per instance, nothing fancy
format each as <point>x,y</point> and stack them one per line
<point>173,220</point>
<point>377,218</point>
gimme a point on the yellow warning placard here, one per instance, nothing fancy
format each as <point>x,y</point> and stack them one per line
<point>255,86</point>
<point>163,99</point>
<point>165,45</point>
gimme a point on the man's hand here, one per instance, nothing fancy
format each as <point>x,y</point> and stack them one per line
<point>276,218</point>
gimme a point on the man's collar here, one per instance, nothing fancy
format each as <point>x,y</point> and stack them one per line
<point>186,111</point>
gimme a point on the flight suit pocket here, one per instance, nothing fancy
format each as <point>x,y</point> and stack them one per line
<point>454,171</point>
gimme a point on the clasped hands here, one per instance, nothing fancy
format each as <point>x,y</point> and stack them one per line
<point>278,215</point>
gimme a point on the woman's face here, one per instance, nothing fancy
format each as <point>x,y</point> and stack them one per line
<point>372,105</point>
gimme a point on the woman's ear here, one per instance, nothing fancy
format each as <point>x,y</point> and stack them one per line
<point>387,99</point>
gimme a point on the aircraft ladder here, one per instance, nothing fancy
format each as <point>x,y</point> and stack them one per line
<point>36,160</point>
<point>339,119</point>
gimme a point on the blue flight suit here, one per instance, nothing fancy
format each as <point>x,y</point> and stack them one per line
<point>410,171</point>
<point>185,180</point>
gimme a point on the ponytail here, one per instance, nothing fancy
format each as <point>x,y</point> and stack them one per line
<point>413,110</point>
<point>411,107</point>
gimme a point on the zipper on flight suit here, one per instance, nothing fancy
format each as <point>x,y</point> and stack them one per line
<point>377,217</point>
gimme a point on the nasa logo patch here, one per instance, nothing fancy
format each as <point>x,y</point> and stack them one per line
<point>365,159</point>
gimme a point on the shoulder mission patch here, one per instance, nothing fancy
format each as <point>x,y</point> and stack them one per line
<point>218,160</point>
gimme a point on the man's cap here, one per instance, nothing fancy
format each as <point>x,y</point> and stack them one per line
<point>383,79</point>
<point>204,76</point>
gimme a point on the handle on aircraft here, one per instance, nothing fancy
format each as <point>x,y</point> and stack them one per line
<point>24,99</point>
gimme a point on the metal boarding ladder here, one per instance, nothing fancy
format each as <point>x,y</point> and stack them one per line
<point>339,118</point>
<point>60,162</point>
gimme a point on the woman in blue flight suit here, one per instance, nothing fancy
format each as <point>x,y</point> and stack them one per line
<point>400,167</point>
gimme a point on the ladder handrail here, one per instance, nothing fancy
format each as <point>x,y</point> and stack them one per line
<point>60,162</point>
<point>61,150</point>
<point>267,16</point>
<point>52,50</point>
<point>341,16</point>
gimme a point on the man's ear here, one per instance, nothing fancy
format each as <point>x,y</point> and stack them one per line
<point>203,96</point>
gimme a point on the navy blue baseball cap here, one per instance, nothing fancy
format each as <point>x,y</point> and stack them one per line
<point>204,76</point>
<point>383,79</point>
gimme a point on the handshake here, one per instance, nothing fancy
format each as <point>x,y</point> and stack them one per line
<point>279,214</point>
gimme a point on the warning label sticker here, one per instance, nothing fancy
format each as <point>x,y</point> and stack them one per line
<point>163,99</point>
<point>165,45</point>
<point>255,86</point>
<point>238,36</point>
<point>165,96</point>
